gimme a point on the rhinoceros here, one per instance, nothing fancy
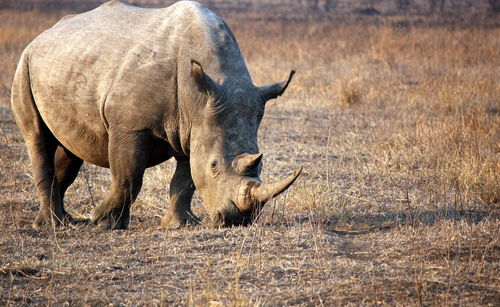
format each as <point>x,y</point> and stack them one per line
<point>128,88</point>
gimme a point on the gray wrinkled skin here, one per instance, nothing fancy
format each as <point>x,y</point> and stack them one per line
<point>128,88</point>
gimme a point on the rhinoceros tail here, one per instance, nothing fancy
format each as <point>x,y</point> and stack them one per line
<point>22,101</point>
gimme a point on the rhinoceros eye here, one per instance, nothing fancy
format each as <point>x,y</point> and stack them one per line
<point>213,164</point>
<point>214,167</point>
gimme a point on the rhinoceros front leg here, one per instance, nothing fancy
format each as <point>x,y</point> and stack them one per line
<point>181,193</point>
<point>127,161</point>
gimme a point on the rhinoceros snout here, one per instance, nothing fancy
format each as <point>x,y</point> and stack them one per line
<point>230,217</point>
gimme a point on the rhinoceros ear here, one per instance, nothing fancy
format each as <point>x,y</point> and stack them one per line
<point>203,81</point>
<point>276,89</point>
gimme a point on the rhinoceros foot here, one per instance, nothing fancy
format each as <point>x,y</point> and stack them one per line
<point>45,218</point>
<point>117,218</point>
<point>177,219</point>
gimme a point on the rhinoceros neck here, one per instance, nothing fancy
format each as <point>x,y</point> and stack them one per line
<point>204,37</point>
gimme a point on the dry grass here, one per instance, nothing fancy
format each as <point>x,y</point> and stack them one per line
<point>398,129</point>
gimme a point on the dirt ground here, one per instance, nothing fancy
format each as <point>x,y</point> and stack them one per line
<point>398,131</point>
<point>290,257</point>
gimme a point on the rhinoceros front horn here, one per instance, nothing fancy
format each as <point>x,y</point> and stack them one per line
<point>261,192</point>
<point>265,192</point>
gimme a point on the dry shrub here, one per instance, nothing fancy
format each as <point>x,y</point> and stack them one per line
<point>467,147</point>
<point>350,94</point>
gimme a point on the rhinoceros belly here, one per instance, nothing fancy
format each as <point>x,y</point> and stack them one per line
<point>78,127</point>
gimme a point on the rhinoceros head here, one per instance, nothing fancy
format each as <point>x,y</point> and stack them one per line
<point>224,155</point>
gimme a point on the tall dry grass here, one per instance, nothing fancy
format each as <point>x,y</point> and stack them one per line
<point>431,95</point>
<point>18,28</point>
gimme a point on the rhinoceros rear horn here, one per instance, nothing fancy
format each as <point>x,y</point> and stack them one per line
<point>205,84</point>
<point>245,163</point>
<point>274,90</point>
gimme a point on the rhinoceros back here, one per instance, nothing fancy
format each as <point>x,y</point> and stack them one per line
<point>115,65</point>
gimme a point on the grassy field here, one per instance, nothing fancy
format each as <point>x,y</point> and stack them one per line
<point>396,120</point>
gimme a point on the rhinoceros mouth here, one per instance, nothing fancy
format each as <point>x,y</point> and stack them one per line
<point>233,217</point>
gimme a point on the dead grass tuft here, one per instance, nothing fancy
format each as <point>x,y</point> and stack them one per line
<point>350,94</point>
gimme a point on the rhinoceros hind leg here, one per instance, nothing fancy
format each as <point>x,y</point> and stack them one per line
<point>127,164</point>
<point>41,145</point>
<point>41,150</point>
<point>181,193</point>
<point>67,167</point>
